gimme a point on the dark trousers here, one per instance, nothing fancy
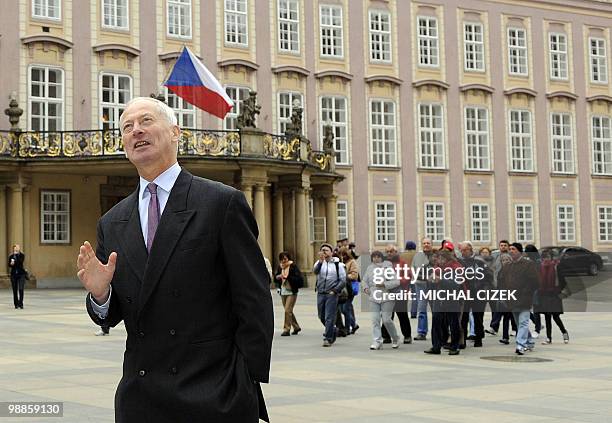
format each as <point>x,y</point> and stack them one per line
<point>537,321</point>
<point>508,320</point>
<point>404,321</point>
<point>441,321</point>
<point>496,318</point>
<point>557,318</point>
<point>478,326</point>
<point>327,307</point>
<point>18,283</point>
<point>105,328</point>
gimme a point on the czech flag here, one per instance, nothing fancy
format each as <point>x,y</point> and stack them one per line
<point>191,81</point>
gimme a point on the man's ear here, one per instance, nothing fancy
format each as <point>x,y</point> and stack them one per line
<point>176,133</point>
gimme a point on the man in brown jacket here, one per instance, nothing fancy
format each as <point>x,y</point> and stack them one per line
<point>521,276</point>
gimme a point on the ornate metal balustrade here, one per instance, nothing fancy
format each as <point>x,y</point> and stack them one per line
<point>193,143</point>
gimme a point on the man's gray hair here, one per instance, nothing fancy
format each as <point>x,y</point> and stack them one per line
<point>164,110</point>
<point>466,243</point>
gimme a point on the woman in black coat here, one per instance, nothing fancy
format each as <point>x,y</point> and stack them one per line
<point>552,283</point>
<point>18,275</point>
<point>289,280</point>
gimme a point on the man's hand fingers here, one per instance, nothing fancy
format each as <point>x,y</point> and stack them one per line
<point>112,262</point>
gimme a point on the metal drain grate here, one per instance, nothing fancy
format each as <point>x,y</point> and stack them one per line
<point>516,359</point>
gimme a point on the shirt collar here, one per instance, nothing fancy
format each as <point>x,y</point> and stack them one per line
<point>164,181</point>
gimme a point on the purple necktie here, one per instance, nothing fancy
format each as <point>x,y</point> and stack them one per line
<point>153,215</point>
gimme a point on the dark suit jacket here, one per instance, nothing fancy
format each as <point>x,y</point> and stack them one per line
<point>197,310</point>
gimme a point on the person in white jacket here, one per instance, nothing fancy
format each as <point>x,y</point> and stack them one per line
<point>376,283</point>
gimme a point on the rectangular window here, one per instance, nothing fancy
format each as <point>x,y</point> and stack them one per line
<point>599,60</point>
<point>565,224</point>
<point>562,144</point>
<point>380,36</point>
<point>431,136</point>
<point>289,26</point>
<point>238,95</point>
<point>602,146</point>
<point>236,22</point>
<point>46,99</point>
<point>55,217</point>
<point>116,92</point>
<point>179,18</point>
<point>517,51</point>
<point>333,112</point>
<point>331,31</point>
<point>428,41</point>
<point>434,221</point>
<point>185,112</point>
<point>47,9</point>
<point>115,14</point>
<point>604,214</point>
<point>342,212</point>
<point>385,222</point>
<point>382,130</point>
<point>473,47</point>
<point>521,149</point>
<point>558,56</point>
<point>477,138</point>
<point>481,225</point>
<point>317,225</point>
<point>287,101</point>
<point>523,214</point>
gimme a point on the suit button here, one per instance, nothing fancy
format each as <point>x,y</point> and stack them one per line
<point>172,332</point>
<point>173,370</point>
<point>129,299</point>
<point>141,334</point>
<point>142,373</point>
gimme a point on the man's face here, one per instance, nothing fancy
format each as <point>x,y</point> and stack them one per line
<point>390,251</point>
<point>514,252</point>
<point>503,247</point>
<point>16,248</point>
<point>327,252</point>
<point>426,244</point>
<point>466,250</point>
<point>148,138</point>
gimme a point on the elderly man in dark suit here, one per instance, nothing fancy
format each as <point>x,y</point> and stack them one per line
<point>178,262</point>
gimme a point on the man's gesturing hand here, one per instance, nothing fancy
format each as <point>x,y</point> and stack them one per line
<point>95,276</point>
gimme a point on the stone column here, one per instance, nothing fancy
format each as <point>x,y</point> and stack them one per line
<point>4,243</point>
<point>27,233</point>
<point>247,189</point>
<point>301,228</point>
<point>260,216</point>
<point>16,216</point>
<point>277,214</point>
<point>331,221</point>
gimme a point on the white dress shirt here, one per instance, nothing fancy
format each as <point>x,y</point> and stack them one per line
<point>165,181</point>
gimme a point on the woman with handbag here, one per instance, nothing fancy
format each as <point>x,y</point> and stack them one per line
<point>288,280</point>
<point>552,283</point>
<point>352,276</point>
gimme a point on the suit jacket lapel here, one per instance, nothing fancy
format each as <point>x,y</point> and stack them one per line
<point>129,233</point>
<point>173,221</point>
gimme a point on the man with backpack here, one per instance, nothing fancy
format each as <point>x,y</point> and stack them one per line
<point>331,278</point>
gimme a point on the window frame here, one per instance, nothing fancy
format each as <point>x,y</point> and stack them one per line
<point>433,131</point>
<point>331,26</point>
<point>381,37</point>
<point>485,223</point>
<point>382,222</point>
<point>430,43</point>
<point>569,222</point>
<point>46,99</point>
<point>474,44</point>
<point>563,56</point>
<point>181,112</point>
<point>568,166</point>
<point>45,8</point>
<point>227,12</point>
<point>605,165</point>
<point>605,223</point>
<point>477,133</point>
<point>235,112</point>
<point>392,152</point>
<point>115,7</point>
<point>280,120</point>
<point>42,214</point>
<point>527,221</point>
<point>602,61</point>
<point>433,224</point>
<point>115,106</point>
<point>523,168</point>
<point>342,220</point>
<point>335,126</point>
<point>518,49</point>
<point>179,5</point>
<point>289,22</point>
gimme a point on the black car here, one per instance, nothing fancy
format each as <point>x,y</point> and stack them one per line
<point>574,260</point>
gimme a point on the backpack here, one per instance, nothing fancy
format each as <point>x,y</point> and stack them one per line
<point>343,295</point>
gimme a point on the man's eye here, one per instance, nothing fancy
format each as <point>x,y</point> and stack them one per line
<point>127,128</point>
